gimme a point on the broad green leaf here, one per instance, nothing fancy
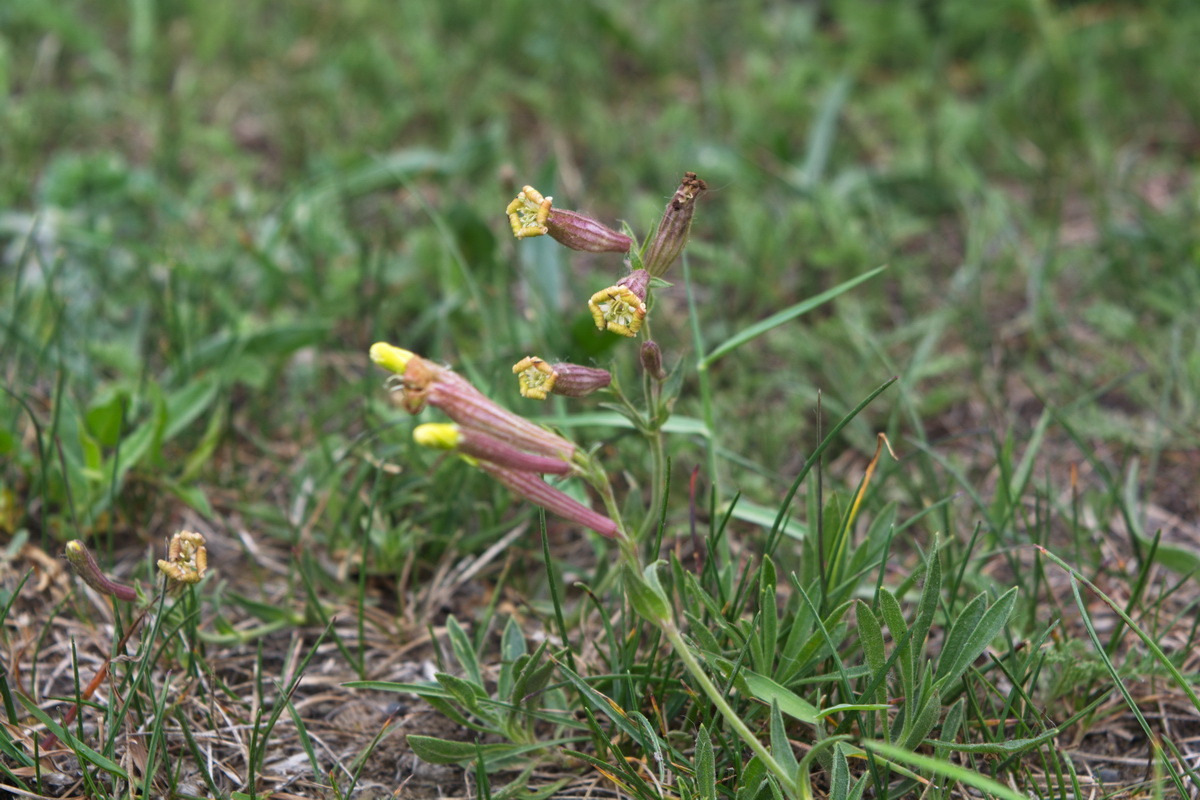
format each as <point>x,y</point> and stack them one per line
<point>188,403</point>
<point>764,517</point>
<point>763,688</point>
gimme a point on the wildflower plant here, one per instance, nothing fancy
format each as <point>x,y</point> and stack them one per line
<point>532,461</point>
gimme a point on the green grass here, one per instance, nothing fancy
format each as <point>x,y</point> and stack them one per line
<point>209,211</point>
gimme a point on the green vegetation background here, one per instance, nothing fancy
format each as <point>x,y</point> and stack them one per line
<point>209,210</point>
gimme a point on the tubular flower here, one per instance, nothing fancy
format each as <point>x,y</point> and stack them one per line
<point>423,382</point>
<point>672,234</point>
<point>581,232</point>
<point>622,308</point>
<point>539,379</point>
<point>528,212</point>
<point>537,491</point>
<point>482,447</point>
<point>85,566</point>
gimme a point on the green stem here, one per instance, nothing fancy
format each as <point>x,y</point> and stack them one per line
<point>684,651</point>
<point>658,480</point>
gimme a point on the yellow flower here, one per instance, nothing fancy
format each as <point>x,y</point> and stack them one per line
<point>622,307</point>
<point>528,212</point>
<point>537,378</point>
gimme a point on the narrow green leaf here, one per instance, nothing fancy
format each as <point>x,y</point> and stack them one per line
<point>512,648</point>
<point>789,313</point>
<point>434,750</point>
<point>464,651</point>
<point>925,719</point>
<point>931,594</point>
<point>706,767</point>
<point>602,703</point>
<point>870,636</point>
<point>839,782</point>
<point>889,607</point>
<point>956,640</point>
<point>781,748</point>
<point>80,749</point>
<point>989,627</point>
<point>1007,747</point>
<point>946,769</point>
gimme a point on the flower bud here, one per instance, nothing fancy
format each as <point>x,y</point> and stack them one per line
<point>537,491</point>
<point>538,379</point>
<point>672,234</point>
<point>581,232</point>
<point>85,566</point>
<point>621,308</point>
<point>482,447</point>
<point>652,360</point>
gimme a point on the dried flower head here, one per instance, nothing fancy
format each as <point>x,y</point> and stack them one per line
<point>672,234</point>
<point>187,558</point>
<point>528,213</point>
<point>621,308</point>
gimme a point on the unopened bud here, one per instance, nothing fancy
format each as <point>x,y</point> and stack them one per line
<point>85,566</point>
<point>537,491</point>
<point>672,234</point>
<point>652,360</point>
<point>581,232</point>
